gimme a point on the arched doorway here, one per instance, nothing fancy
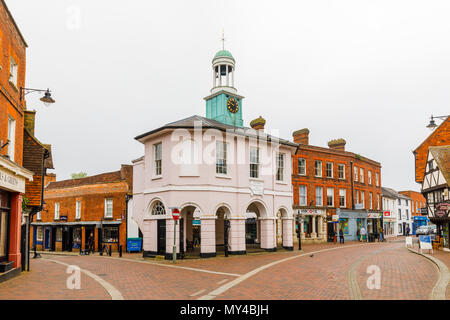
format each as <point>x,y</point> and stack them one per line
<point>158,214</point>
<point>190,230</point>
<point>222,231</point>
<point>257,231</point>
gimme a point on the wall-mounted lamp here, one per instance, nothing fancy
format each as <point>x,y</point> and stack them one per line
<point>46,99</point>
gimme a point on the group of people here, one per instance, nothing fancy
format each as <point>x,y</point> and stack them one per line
<point>362,234</point>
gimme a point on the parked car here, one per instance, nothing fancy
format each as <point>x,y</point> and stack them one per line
<point>426,230</point>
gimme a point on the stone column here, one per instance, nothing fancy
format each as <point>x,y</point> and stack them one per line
<point>208,237</point>
<point>320,227</point>
<point>214,77</point>
<point>267,234</point>
<point>314,232</point>
<point>287,224</point>
<point>236,238</point>
<point>220,75</point>
<point>232,77</point>
<point>226,71</point>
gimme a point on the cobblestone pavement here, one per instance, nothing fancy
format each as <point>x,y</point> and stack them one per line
<point>325,275</point>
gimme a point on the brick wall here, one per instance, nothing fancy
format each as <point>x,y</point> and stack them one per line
<point>417,201</point>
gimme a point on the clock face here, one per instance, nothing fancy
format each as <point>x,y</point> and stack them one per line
<point>232,105</point>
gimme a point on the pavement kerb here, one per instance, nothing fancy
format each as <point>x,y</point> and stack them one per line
<point>440,288</point>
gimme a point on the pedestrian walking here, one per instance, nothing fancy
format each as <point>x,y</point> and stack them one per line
<point>381,238</point>
<point>358,234</point>
<point>341,236</point>
<point>407,230</point>
<point>91,243</point>
<point>363,233</point>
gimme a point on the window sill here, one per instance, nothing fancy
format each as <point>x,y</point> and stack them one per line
<point>157,177</point>
<point>223,176</point>
<point>256,179</point>
<point>108,218</point>
<point>189,175</point>
<point>280,182</point>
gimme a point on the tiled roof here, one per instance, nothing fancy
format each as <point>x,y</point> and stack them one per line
<point>391,193</point>
<point>442,157</point>
<point>193,121</point>
<point>100,178</point>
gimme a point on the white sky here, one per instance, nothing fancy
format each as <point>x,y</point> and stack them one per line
<point>371,72</point>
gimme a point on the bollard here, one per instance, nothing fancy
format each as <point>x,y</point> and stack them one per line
<point>109,253</point>
<point>120,250</point>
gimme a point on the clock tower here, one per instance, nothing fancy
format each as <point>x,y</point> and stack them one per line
<point>224,104</point>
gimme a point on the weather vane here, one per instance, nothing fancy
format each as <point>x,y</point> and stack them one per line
<point>223,39</point>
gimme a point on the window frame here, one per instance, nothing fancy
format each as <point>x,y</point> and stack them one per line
<point>298,166</point>
<point>321,196</point>
<point>331,169</point>
<point>78,210</point>
<point>305,203</point>
<point>11,138</point>
<point>254,165</point>
<point>343,171</point>
<point>332,197</point>
<point>106,216</point>
<point>157,159</point>
<point>57,211</point>
<point>344,196</point>
<point>361,175</point>
<point>316,162</point>
<point>221,154</point>
<point>13,71</point>
<point>280,166</point>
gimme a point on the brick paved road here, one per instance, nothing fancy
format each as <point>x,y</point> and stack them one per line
<point>323,276</point>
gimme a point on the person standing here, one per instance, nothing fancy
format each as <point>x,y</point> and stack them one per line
<point>363,233</point>
<point>91,243</point>
<point>407,230</point>
<point>381,238</point>
<point>341,235</point>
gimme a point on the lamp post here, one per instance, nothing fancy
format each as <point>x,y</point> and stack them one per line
<point>299,231</point>
<point>175,216</point>
<point>432,125</point>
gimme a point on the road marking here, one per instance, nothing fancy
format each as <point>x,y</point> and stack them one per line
<point>172,266</point>
<point>197,293</point>
<point>113,292</point>
<point>440,288</point>
<point>222,281</point>
<point>244,277</point>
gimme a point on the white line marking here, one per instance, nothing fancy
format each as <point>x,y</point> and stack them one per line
<point>222,281</point>
<point>113,292</point>
<point>172,266</point>
<point>238,280</point>
<point>197,293</point>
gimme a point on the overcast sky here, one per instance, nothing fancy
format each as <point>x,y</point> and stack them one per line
<point>371,72</point>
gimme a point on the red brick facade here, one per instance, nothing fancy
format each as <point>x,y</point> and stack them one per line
<point>91,193</point>
<point>335,155</point>
<point>417,201</point>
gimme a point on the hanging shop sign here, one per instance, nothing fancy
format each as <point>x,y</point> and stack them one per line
<point>424,211</point>
<point>387,214</point>
<point>442,209</point>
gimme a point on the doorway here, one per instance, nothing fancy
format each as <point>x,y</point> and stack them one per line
<point>47,238</point>
<point>161,249</point>
<point>53,242</point>
<point>87,233</point>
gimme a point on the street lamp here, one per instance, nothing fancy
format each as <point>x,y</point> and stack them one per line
<point>432,125</point>
<point>46,99</point>
<point>299,230</point>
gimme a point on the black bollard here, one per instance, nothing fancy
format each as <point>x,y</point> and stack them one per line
<point>109,253</point>
<point>120,250</point>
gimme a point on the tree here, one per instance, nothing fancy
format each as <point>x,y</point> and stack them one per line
<point>79,175</point>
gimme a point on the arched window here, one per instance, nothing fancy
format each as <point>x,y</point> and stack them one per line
<point>158,209</point>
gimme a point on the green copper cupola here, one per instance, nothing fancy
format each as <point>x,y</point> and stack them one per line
<point>224,104</point>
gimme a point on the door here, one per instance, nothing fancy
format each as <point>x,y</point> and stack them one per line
<point>64,239</point>
<point>4,227</point>
<point>161,237</point>
<point>70,239</point>
<point>87,233</point>
<point>23,242</point>
<point>100,238</point>
<point>47,238</point>
<point>53,243</point>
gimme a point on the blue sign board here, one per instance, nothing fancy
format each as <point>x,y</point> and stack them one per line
<point>425,239</point>
<point>134,244</point>
<point>196,222</point>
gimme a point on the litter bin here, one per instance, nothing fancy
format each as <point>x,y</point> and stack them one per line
<point>134,244</point>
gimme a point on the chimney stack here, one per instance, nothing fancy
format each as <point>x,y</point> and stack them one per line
<point>258,123</point>
<point>301,136</point>
<point>337,144</point>
<point>30,116</point>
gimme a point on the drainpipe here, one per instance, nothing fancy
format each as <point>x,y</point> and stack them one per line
<point>351,181</point>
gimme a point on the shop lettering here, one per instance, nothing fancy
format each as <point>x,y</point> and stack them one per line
<point>8,179</point>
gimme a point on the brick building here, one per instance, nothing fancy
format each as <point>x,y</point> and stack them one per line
<point>418,201</point>
<point>13,175</point>
<point>331,182</point>
<point>76,208</point>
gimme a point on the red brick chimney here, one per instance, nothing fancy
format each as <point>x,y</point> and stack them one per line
<point>337,144</point>
<point>30,116</point>
<point>258,123</point>
<point>301,136</point>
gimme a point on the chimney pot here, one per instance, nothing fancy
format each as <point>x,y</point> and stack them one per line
<point>337,144</point>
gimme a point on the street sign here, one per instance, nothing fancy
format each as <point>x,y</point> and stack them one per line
<point>196,222</point>
<point>424,211</point>
<point>175,213</point>
<point>387,214</point>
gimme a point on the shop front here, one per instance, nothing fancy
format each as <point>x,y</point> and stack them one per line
<point>314,225</point>
<point>12,186</point>
<point>374,224</point>
<point>389,221</point>
<point>351,222</point>
<point>418,222</point>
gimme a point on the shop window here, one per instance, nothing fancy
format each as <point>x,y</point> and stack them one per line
<point>76,237</point>
<point>343,224</point>
<point>39,233</point>
<point>111,234</point>
<point>3,233</point>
